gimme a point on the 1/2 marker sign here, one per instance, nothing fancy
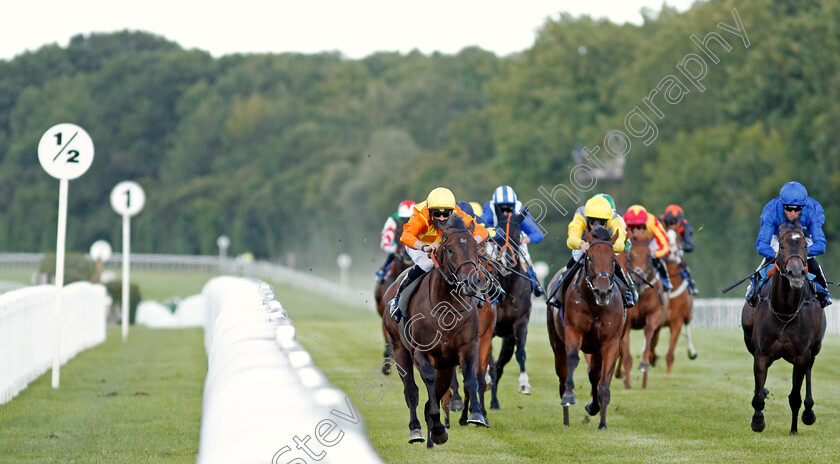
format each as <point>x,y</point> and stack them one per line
<point>65,151</point>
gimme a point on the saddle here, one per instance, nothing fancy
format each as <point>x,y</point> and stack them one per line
<point>405,300</point>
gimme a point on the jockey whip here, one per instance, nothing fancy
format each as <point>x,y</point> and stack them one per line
<point>747,277</point>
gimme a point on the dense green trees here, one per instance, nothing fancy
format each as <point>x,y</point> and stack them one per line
<point>309,153</point>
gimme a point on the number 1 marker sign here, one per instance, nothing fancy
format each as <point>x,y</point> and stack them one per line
<point>127,199</point>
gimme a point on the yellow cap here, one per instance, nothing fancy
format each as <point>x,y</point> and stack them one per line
<point>441,198</point>
<point>598,207</point>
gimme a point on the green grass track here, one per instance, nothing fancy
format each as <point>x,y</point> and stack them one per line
<point>699,414</point>
<point>133,402</point>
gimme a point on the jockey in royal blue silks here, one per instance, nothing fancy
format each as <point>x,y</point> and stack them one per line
<point>504,201</point>
<point>792,203</point>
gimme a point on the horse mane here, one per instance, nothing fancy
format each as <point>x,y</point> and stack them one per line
<point>601,233</point>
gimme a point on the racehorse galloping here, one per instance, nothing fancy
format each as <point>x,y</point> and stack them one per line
<point>592,320</point>
<point>513,311</point>
<point>441,330</point>
<point>681,305</point>
<point>649,311</point>
<point>787,323</point>
<point>401,262</point>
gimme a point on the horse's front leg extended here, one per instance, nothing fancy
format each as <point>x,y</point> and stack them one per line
<point>521,332</point>
<point>800,367</point>
<point>437,431</point>
<point>760,365</point>
<point>573,344</point>
<point>412,393</point>
<point>808,415</point>
<point>469,364</point>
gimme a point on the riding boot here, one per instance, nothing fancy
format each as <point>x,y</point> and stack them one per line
<point>535,283</point>
<point>382,271</point>
<point>819,279</point>
<point>663,273</point>
<point>685,271</point>
<point>560,287</point>
<point>753,289</point>
<point>631,295</point>
<point>415,272</point>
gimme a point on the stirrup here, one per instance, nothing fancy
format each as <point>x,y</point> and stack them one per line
<point>628,299</point>
<point>537,289</point>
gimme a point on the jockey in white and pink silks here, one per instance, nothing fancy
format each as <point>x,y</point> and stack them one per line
<point>389,235</point>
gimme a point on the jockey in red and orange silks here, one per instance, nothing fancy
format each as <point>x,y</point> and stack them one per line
<point>644,226</point>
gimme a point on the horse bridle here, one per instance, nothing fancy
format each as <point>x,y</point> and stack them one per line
<point>783,268</point>
<point>589,279</point>
<point>650,270</point>
<point>454,272</point>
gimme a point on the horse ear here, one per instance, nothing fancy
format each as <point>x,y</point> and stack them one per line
<point>587,234</point>
<point>614,237</point>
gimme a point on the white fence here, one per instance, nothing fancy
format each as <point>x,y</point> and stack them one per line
<point>27,332</point>
<point>263,395</point>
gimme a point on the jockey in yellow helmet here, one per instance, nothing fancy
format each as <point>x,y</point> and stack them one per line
<point>421,236</point>
<point>596,212</point>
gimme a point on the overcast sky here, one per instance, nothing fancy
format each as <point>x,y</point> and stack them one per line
<point>356,28</point>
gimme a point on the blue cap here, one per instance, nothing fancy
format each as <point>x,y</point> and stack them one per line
<point>793,193</point>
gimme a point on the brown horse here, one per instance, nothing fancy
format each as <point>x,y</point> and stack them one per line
<point>787,323</point>
<point>400,263</point>
<point>592,320</point>
<point>513,310</point>
<point>440,330</point>
<point>680,306</point>
<point>649,311</point>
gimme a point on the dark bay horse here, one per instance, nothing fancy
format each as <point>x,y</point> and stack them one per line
<point>649,311</point>
<point>401,262</point>
<point>513,311</point>
<point>680,306</point>
<point>592,320</point>
<point>787,323</point>
<point>441,330</point>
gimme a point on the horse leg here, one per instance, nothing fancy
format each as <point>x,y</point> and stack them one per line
<point>761,364</point>
<point>644,363</point>
<point>504,357</point>
<point>521,332</point>
<point>692,353</point>
<point>654,342</point>
<point>626,360</point>
<point>411,392</point>
<point>595,368</point>
<point>445,403</point>
<point>437,432</point>
<point>808,415</point>
<point>388,353</point>
<point>559,349</point>
<point>469,364</point>
<point>485,347</point>
<point>457,404</point>
<point>610,353</point>
<point>573,344</point>
<point>800,367</point>
<point>672,343</point>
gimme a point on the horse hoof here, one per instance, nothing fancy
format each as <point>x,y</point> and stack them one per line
<point>478,419</point>
<point>494,405</point>
<point>602,427</point>
<point>794,432</point>
<point>757,426</point>
<point>654,360</point>
<point>692,355</point>
<point>386,368</point>
<point>809,417</point>
<point>416,436</point>
<point>440,438</point>
<point>644,367</point>
<point>525,389</point>
<point>456,404</point>
<point>592,410</point>
<point>568,399</point>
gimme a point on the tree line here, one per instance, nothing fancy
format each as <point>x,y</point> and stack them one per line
<point>713,109</point>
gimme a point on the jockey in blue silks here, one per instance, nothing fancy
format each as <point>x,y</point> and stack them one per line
<point>504,201</point>
<point>792,203</point>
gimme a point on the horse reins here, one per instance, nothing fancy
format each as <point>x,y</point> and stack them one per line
<point>454,279</point>
<point>599,275</point>
<point>787,318</point>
